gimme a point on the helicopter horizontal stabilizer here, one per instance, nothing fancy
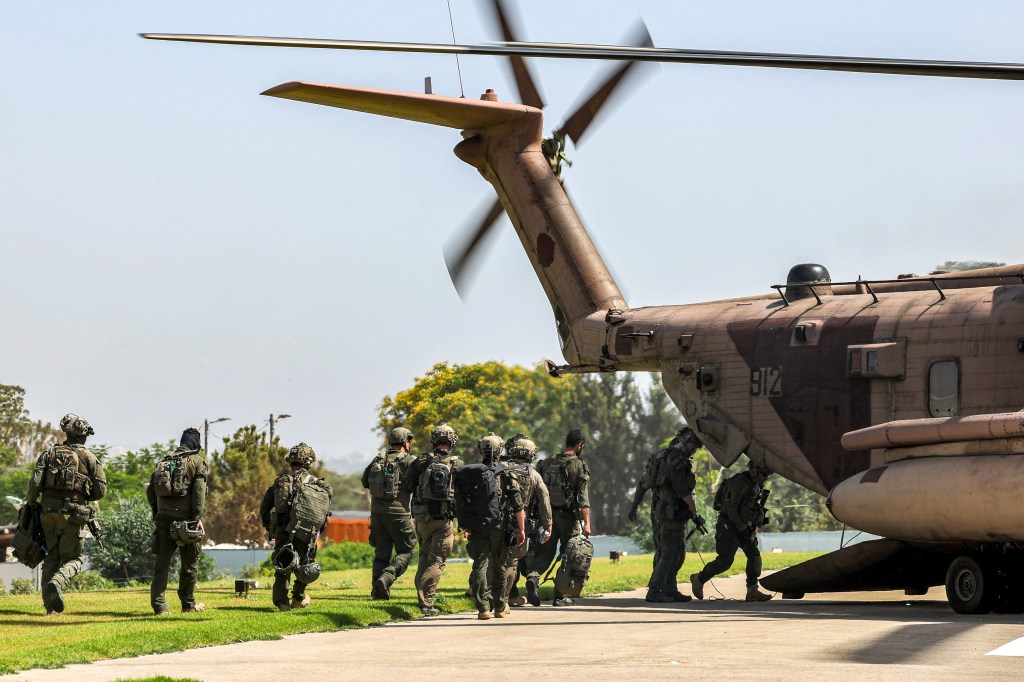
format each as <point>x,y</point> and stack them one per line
<point>452,112</point>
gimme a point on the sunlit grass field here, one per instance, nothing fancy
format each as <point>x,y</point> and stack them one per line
<point>119,623</point>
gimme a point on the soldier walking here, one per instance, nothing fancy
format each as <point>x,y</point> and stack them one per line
<point>669,475</point>
<point>429,480</point>
<point>568,481</point>
<point>177,496</point>
<point>740,518</point>
<point>519,454</point>
<point>391,527</point>
<point>68,477</point>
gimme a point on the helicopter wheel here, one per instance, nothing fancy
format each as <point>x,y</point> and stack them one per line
<point>970,588</point>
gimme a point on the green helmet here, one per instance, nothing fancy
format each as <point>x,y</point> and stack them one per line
<point>685,439</point>
<point>441,433</point>
<point>73,425</point>
<point>400,436</point>
<point>187,532</point>
<point>308,573</point>
<point>301,454</point>
<point>521,447</point>
<point>284,559</point>
<point>490,447</point>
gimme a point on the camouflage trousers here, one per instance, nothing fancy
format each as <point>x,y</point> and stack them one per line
<point>563,527</point>
<point>727,541</point>
<point>163,549</point>
<point>436,539</point>
<point>64,549</point>
<point>494,569</point>
<point>281,582</point>
<point>391,531</point>
<point>669,554</point>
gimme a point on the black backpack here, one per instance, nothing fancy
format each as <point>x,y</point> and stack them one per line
<point>477,496</point>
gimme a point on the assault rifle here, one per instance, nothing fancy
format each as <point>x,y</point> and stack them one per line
<point>638,499</point>
<point>762,505</point>
<point>97,533</point>
<point>699,525</point>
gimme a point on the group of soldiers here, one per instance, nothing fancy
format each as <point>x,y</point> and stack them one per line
<point>543,506</point>
<point>413,500</point>
<point>67,477</point>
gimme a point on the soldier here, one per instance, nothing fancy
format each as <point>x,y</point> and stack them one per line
<point>390,521</point>
<point>519,454</point>
<point>740,518</point>
<point>669,474</point>
<point>429,480</point>
<point>567,479</point>
<point>489,546</point>
<point>177,496</point>
<point>68,477</point>
<point>295,538</point>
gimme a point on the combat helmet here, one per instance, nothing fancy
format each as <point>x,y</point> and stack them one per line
<point>490,447</point>
<point>684,438</point>
<point>441,433</point>
<point>759,469</point>
<point>399,436</point>
<point>521,447</point>
<point>73,425</point>
<point>187,532</point>
<point>284,559</point>
<point>301,454</point>
<point>308,573</point>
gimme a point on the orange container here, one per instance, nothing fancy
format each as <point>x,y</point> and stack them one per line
<point>348,530</point>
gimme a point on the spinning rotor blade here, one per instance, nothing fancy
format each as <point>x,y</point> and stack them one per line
<point>907,67</point>
<point>528,93</point>
<point>581,119</point>
<point>460,259</point>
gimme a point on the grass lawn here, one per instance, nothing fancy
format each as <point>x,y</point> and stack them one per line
<point>119,623</point>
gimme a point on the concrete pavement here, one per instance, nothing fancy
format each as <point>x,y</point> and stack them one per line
<point>860,636</point>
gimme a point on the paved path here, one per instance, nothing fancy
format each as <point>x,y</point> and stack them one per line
<point>861,636</point>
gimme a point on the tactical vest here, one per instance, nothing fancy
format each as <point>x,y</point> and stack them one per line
<point>66,472</point>
<point>173,476</point>
<point>521,472</point>
<point>385,476</point>
<point>556,477</point>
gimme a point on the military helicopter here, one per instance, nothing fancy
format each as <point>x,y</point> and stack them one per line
<point>896,398</point>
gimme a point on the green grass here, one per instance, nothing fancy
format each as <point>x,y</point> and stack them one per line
<point>118,623</point>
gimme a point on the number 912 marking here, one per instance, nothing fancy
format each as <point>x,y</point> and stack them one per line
<point>766,382</point>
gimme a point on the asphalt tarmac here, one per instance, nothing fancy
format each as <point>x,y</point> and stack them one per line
<point>858,636</point>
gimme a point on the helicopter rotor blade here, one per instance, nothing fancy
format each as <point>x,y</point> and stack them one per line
<point>581,119</point>
<point>460,258</point>
<point>528,92</point>
<point>907,67</point>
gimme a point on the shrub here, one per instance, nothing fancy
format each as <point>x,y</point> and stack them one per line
<point>90,580</point>
<point>3,589</point>
<point>22,586</point>
<point>340,556</point>
<point>127,538</point>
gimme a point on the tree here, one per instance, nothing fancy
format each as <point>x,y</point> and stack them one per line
<point>18,433</point>
<point>127,524</point>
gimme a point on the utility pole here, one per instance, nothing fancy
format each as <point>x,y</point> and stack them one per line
<point>206,432</point>
<point>270,443</point>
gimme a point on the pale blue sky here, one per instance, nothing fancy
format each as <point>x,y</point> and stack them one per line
<point>177,247</point>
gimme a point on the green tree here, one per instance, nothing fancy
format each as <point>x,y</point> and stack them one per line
<point>127,523</point>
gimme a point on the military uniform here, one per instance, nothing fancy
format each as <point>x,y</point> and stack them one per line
<point>567,479</point>
<point>67,477</point>
<point>301,457</point>
<point>536,502</point>
<point>740,517</point>
<point>391,527</point>
<point>171,508</point>
<point>433,517</point>
<point>670,509</point>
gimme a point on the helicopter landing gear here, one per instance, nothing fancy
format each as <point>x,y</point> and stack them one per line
<point>969,587</point>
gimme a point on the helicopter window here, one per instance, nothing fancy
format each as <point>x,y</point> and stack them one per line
<point>944,388</point>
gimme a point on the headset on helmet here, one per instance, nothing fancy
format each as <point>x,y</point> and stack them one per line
<point>441,433</point>
<point>73,425</point>
<point>399,436</point>
<point>301,454</point>
<point>187,532</point>
<point>308,573</point>
<point>284,559</point>
<point>490,447</point>
<point>521,447</point>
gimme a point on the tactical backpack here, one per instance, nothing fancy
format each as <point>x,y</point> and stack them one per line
<point>722,495</point>
<point>478,496</point>
<point>521,472</point>
<point>556,478</point>
<point>384,477</point>
<point>63,471</point>
<point>303,500</point>
<point>574,568</point>
<point>171,477</point>
<point>29,543</point>
<point>654,474</point>
<point>435,484</point>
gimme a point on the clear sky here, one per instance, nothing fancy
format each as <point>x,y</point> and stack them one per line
<point>177,247</point>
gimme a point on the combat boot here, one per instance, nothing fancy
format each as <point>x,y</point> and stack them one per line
<point>483,615</point>
<point>697,586</point>
<point>300,602</point>
<point>533,591</point>
<point>658,597</point>
<point>429,611</point>
<point>754,594</point>
<point>503,613</point>
<point>678,596</point>
<point>517,601</point>
<point>382,587</point>
<point>53,597</point>
<point>283,607</point>
<point>198,607</point>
